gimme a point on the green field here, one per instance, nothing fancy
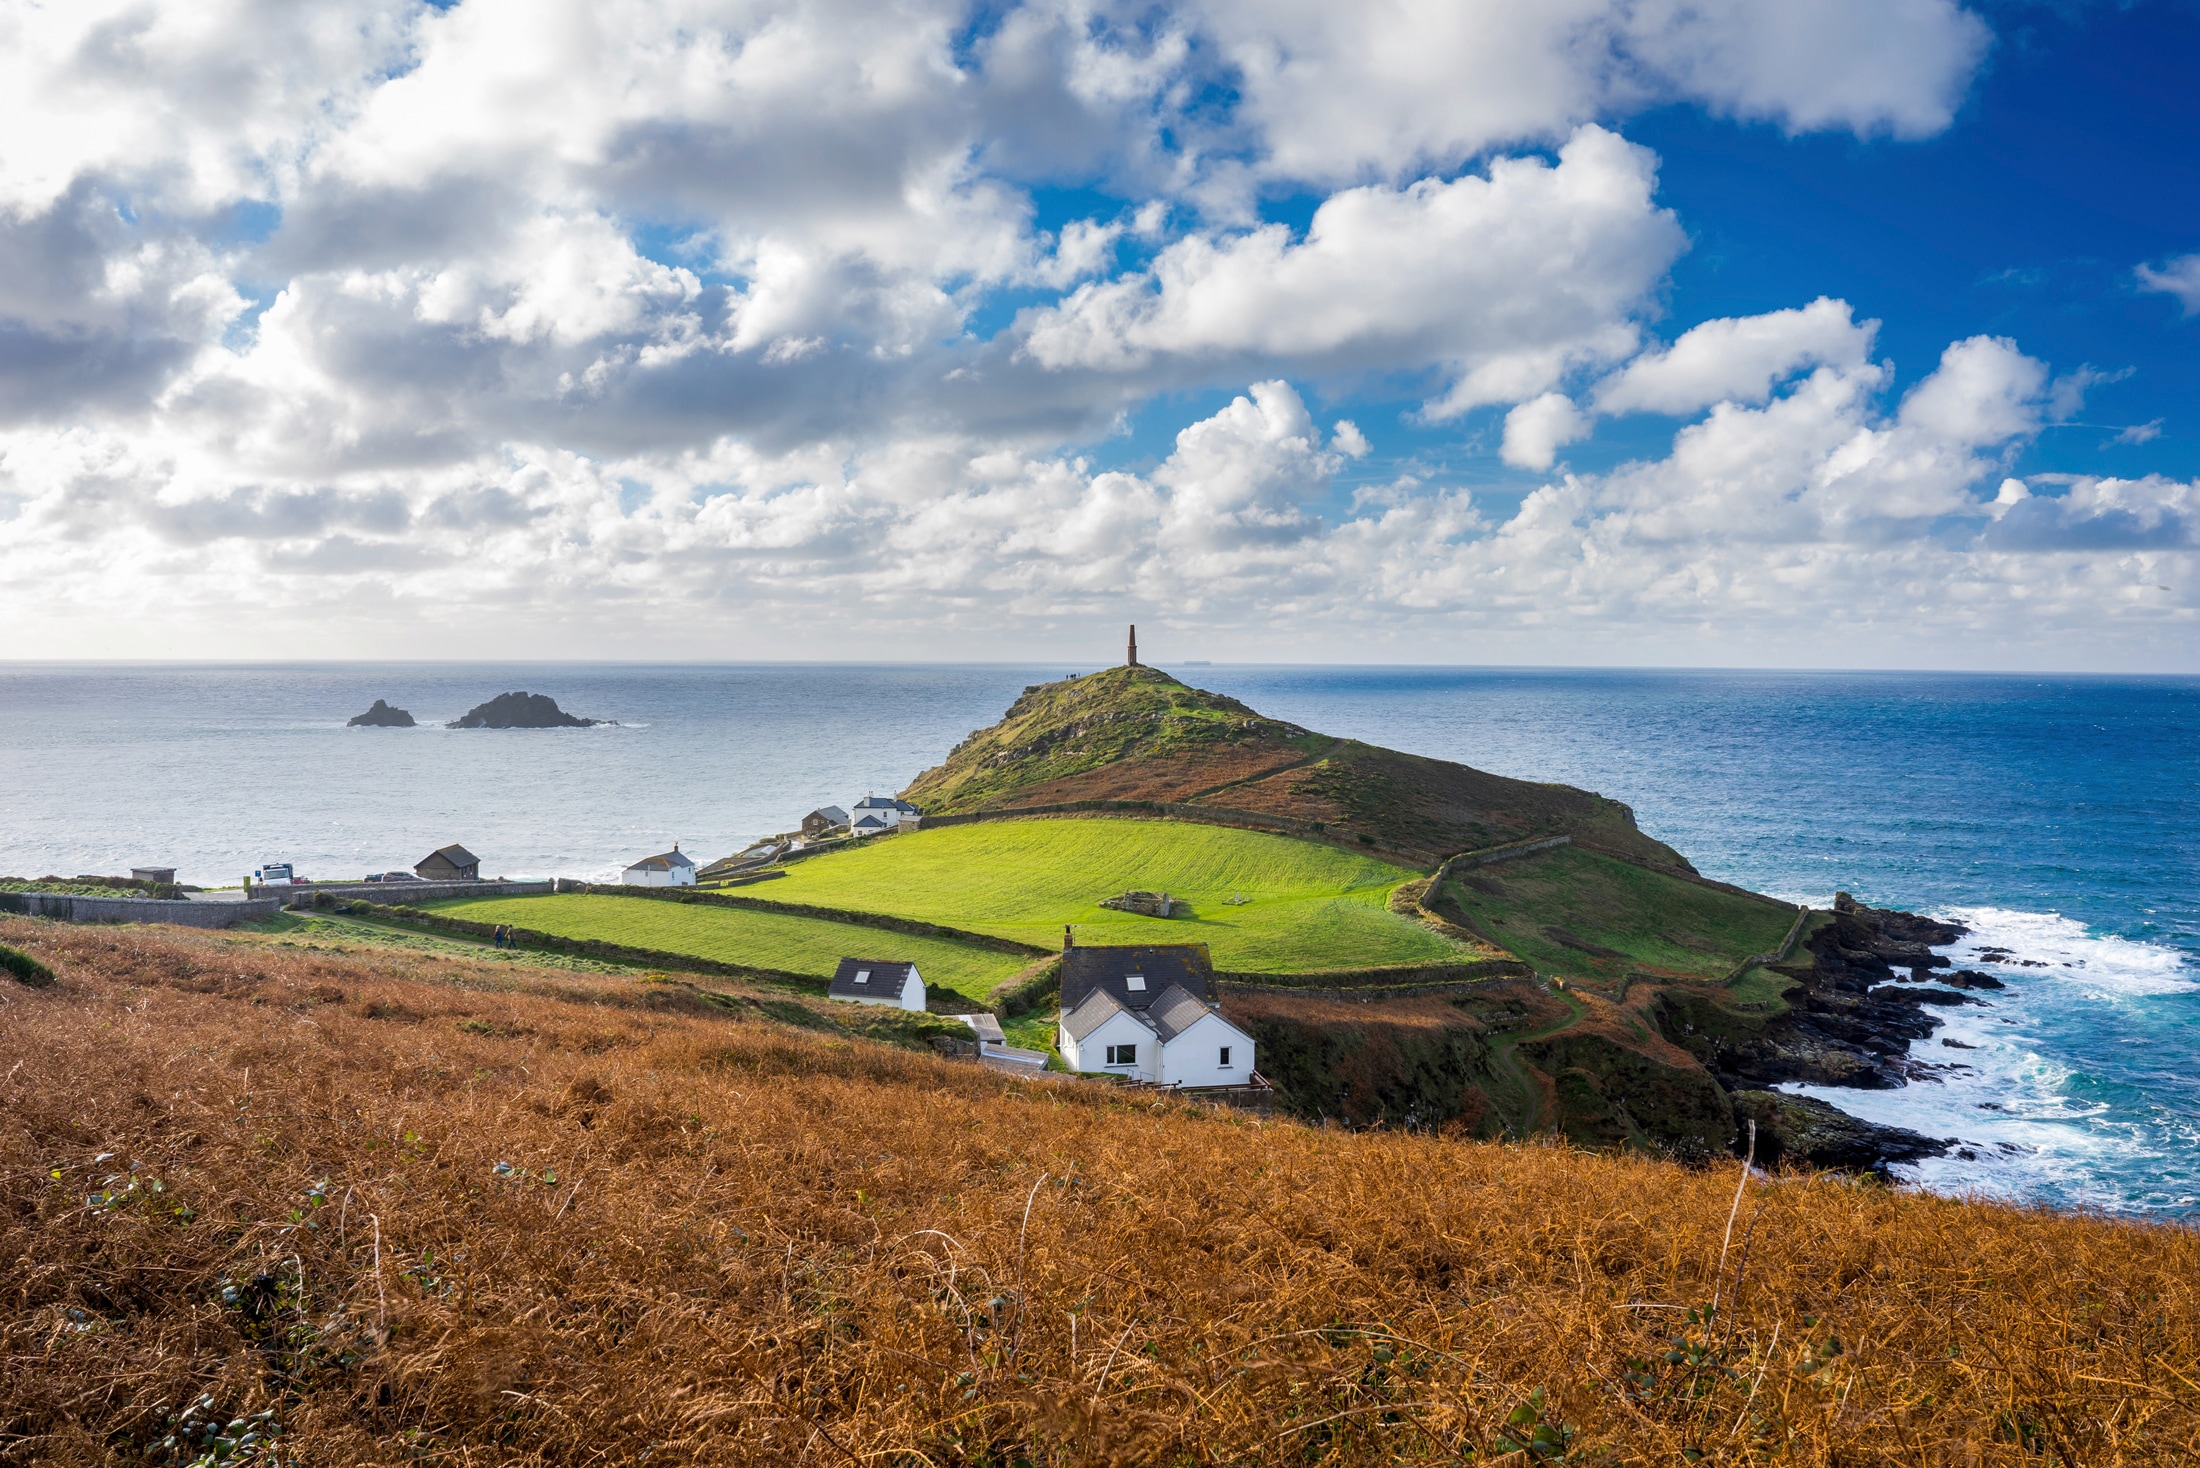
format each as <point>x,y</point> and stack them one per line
<point>1305,906</point>
<point>1584,915</point>
<point>798,945</point>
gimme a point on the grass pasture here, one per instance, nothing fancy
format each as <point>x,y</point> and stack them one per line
<point>1306,906</point>
<point>800,945</point>
<point>1578,913</point>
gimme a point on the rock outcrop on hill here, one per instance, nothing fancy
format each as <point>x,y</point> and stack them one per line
<point>521,711</point>
<point>382,716</point>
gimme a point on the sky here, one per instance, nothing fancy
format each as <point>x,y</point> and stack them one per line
<point>1827,333</point>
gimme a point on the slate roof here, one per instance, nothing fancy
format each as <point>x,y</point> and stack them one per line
<point>667,861</point>
<point>1175,1012</point>
<point>831,815</point>
<point>885,979</point>
<point>1162,966</point>
<point>884,802</point>
<point>455,854</point>
<point>1099,1007</point>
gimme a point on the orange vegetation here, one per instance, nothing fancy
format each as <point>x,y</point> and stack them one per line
<point>399,1210</point>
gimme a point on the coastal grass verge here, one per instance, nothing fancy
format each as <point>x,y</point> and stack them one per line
<point>768,940</point>
<point>1583,915</point>
<point>368,1216</point>
<point>1261,902</point>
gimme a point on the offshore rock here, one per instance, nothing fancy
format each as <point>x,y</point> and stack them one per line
<point>521,711</point>
<point>382,716</point>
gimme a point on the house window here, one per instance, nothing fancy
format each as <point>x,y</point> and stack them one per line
<point>1122,1055</point>
<point>1136,983</point>
<point>1225,1061</point>
<point>863,976</point>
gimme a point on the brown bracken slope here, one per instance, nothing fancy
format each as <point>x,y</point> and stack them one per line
<point>1135,733</point>
<point>401,1211</point>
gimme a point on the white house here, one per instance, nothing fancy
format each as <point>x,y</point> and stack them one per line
<point>878,981</point>
<point>1149,1012</point>
<point>669,870</point>
<point>878,813</point>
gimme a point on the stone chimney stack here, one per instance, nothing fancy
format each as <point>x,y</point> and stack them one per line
<point>1133,661</point>
<point>1068,940</point>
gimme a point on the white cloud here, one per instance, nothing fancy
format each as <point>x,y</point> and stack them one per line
<point>1504,280</point>
<point>1738,359</point>
<point>1535,431</point>
<point>2179,277</point>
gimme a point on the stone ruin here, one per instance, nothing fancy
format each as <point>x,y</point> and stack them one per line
<point>1146,904</point>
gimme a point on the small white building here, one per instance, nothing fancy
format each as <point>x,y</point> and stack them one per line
<point>1149,1012</point>
<point>875,814</point>
<point>672,869</point>
<point>879,981</point>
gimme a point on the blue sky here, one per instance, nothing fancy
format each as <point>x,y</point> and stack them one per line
<point>1487,330</point>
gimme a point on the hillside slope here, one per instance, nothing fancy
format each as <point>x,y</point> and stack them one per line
<point>383,1208</point>
<point>1135,733</point>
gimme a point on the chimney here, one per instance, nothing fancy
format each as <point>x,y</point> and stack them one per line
<point>1134,646</point>
<point>1068,941</point>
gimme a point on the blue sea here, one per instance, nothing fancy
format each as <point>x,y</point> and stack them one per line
<point>2055,815</point>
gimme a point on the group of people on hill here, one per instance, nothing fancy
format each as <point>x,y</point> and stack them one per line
<point>504,937</point>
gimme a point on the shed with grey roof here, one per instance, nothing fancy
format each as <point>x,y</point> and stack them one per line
<point>879,981</point>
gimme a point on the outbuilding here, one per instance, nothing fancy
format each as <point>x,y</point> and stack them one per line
<point>1149,1012</point>
<point>879,981</point>
<point>824,818</point>
<point>453,863</point>
<point>670,869</point>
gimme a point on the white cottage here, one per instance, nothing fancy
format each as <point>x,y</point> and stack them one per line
<point>876,814</point>
<point>672,869</point>
<point>878,981</point>
<point>1149,1012</point>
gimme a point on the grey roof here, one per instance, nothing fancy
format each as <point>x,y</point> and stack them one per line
<point>1098,1008</point>
<point>887,978</point>
<point>832,815</point>
<point>1176,1011</point>
<point>667,860</point>
<point>1162,965</point>
<point>455,854</point>
<point>884,802</point>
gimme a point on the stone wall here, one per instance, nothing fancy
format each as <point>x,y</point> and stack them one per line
<point>408,892</point>
<point>63,907</point>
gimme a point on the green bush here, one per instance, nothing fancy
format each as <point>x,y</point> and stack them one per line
<point>26,968</point>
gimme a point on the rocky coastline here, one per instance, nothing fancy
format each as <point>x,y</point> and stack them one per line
<point>522,711</point>
<point>1868,988</point>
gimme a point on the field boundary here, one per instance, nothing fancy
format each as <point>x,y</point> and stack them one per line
<point>1803,911</point>
<point>883,921</point>
<point>1203,815</point>
<point>1402,981</point>
<point>586,947</point>
<point>68,907</point>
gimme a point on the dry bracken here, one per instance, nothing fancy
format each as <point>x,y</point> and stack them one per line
<point>261,1204</point>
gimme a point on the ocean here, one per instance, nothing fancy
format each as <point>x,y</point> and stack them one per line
<point>2054,815</point>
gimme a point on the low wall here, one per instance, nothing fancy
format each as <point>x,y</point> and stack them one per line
<point>850,916</point>
<point>67,908</point>
<point>1366,983</point>
<point>1205,815</point>
<point>382,892</point>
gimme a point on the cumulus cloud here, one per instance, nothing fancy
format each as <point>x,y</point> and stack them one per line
<point>2179,277</point>
<point>1738,359</point>
<point>558,325</point>
<point>1504,280</point>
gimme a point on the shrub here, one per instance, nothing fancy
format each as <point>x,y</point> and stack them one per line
<point>26,968</point>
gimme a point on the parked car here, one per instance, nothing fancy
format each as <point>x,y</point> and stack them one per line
<point>395,877</point>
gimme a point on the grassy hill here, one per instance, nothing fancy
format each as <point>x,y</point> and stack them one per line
<point>1139,734</point>
<point>799,945</point>
<point>263,1204</point>
<point>1261,902</point>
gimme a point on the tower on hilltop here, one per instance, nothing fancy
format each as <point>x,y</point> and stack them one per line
<point>1133,660</point>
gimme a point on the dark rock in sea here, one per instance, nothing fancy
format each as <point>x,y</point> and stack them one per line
<point>1958,1045</point>
<point>521,711</point>
<point>382,716</point>
<point>1805,1130</point>
<point>1971,978</point>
